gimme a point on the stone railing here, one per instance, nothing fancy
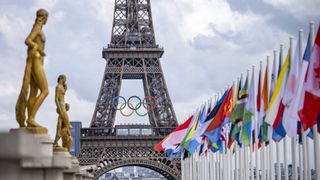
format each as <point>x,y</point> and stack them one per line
<point>25,155</point>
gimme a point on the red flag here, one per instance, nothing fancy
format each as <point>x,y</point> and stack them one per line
<point>311,89</point>
<point>175,137</point>
<point>223,112</point>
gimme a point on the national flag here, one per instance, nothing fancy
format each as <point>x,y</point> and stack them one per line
<point>233,128</point>
<point>249,110</point>
<point>264,102</point>
<point>192,143</point>
<point>238,114</point>
<point>191,130</point>
<point>275,110</point>
<point>273,77</point>
<point>292,92</point>
<point>223,112</point>
<point>311,90</point>
<point>175,137</point>
<point>203,146</point>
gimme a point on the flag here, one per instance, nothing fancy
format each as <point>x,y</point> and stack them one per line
<point>175,137</point>
<point>223,112</point>
<point>192,144</point>
<point>238,114</point>
<point>276,108</point>
<point>293,93</point>
<point>309,112</point>
<point>263,106</point>
<point>203,146</point>
<point>213,131</point>
<point>249,110</point>
<point>233,128</point>
<point>191,130</point>
<point>273,77</point>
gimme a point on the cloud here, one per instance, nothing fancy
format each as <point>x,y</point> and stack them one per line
<point>207,45</point>
<point>80,109</point>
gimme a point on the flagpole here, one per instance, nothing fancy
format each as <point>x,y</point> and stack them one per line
<point>254,120</point>
<point>262,154</point>
<point>245,153</point>
<point>286,175</point>
<point>304,137</point>
<point>233,156</point>
<point>315,128</point>
<point>267,148</point>
<point>270,149</point>
<point>256,126</point>
<point>293,140</point>
<point>278,170</point>
<point>235,163</point>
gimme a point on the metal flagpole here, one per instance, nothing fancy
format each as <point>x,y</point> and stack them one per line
<point>256,141</point>
<point>183,169</point>
<point>278,170</point>
<point>236,164</point>
<point>262,154</point>
<point>293,140</point>
<point>245,162</point>
<point>245,152</point>
<point>286,176</point>
<point>254,122</point>
<point>304,136</point>
<point>270,148</point>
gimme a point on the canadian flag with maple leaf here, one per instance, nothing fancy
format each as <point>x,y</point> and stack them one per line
<point>311,91</point>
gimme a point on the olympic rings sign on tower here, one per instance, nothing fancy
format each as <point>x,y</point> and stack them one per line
<point>149,103</point>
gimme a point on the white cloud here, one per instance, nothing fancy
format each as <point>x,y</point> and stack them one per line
<point>80,109</point>
<point>302,10</point>
<point>207,45</point>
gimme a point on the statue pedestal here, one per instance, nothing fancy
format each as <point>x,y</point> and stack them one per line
<point>28,154</point>
<point>40,135</point>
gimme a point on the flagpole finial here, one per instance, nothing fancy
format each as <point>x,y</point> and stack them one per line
<point>291,38</point>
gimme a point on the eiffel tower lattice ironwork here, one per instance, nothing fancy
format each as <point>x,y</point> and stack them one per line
<point>131,54</point>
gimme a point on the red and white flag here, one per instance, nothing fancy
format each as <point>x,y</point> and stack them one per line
<point>174,138</point>
<point>311,90</point>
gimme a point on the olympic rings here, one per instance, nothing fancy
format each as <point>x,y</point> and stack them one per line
<point>149,103</point>
<point>122,113</point>
<point>142,115</point>
<point>154,103</point>
<point>137,106</point>
<point>115,106</point>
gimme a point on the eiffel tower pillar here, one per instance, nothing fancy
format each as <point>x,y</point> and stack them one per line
<point>131,54</point>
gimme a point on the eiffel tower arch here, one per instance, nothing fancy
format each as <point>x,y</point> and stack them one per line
<point>131,54</point>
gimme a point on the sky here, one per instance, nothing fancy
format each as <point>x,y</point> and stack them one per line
<point>208,44</point>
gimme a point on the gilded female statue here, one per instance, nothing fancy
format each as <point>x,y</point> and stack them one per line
<point>34,75</point>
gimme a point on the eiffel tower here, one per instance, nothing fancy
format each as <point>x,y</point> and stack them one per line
<point>132,54</point>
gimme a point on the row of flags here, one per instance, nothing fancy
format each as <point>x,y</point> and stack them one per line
<point>249,106</point>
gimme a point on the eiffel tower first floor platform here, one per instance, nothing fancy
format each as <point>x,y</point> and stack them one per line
<point>105,149</point>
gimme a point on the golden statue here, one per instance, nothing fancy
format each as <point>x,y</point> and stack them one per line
<point>63,124</point>
<point>34,75</point>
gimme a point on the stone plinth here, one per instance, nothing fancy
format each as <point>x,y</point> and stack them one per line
<point>27,153</point>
